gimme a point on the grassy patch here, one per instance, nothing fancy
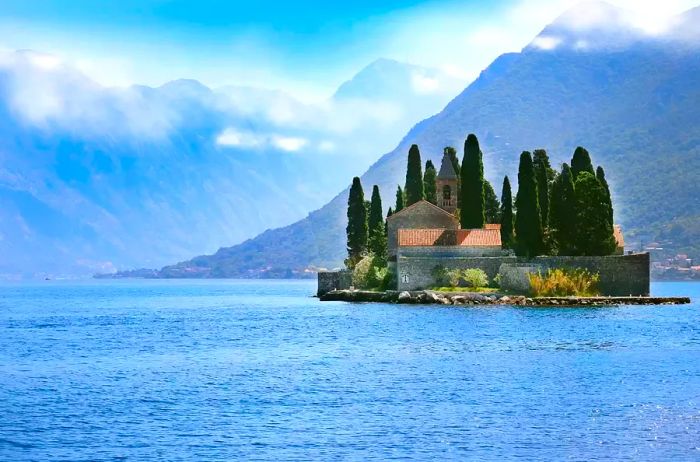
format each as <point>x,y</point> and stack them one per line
<point>483,290</point>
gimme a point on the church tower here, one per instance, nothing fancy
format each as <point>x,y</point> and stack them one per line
<point>447,185</point>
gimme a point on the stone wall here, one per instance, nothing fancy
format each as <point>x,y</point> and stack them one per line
<point>620,275</point>
<point>414,265</point>
<point>333,280</point>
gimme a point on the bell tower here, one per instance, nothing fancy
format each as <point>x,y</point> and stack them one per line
<point>447,183</point>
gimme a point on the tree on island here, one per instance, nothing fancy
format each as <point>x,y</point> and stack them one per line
<point>563,207</point>
<point>544,175</point>
<point>506,215</point>
<point>414,177</point>
<point>376,215</point>
<point>472,185</point>
<point>399,200</point>
<point>581,162</point>
<point>528,228</point>
<point>357,232</point>
<point>492,207</point>
<point>593,229</point>
<point>429,183</point>
<point>600,176</point>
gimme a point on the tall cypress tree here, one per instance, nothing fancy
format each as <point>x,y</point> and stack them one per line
<point>581,162</point>
<point>544,175</point>
<point>357,233</point>
<point>386,222</point>
<point>594,231</point>
<point>376,215</point>
<point>506,215</point>
<point>414,177</point>
<point>492,208</point>
<point>600,176</point>
<point>454,158</point>
<point>472,185</point>
<point>429,182</point>
<point>528,228</point>
<point>562,218</point>
<point>399,200</point>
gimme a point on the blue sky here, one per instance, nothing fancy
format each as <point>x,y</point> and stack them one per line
<point>304,47</point>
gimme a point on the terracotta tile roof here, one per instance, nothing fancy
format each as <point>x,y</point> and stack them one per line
<point>492,226</point>
<point>447,237</point>
<point>619,238</point>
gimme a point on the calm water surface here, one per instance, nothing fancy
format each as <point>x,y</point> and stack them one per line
<point>231,370</point>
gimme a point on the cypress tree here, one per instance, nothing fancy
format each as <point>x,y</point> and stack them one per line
<point>594,231</point>
<point>357,233</point>
<point>376,215</point>
<point>528,228</point>
<point>562,217</point>
<point>399,200</point>
<point>581,162</point>
<point>414,177</point>
<point>544,175</point>
<point>600,176</point>
<point>492,208</point>
<point>506,214</point>
<point>454,158</point>
<point>386,222</point>
<point>429,182</point>
<point>472,185</point>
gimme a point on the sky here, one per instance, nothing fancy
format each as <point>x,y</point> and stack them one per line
<point>306,48</point>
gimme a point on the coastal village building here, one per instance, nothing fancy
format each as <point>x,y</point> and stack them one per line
<point>425,232</point>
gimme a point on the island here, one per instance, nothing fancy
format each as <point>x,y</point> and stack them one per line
<point>449,239</point>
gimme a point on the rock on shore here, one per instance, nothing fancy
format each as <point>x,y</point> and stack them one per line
<point>429,297</point>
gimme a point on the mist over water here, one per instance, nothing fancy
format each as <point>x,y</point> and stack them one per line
<point>260,370</point>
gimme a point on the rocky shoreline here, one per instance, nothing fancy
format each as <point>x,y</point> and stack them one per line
<point>429,297</point>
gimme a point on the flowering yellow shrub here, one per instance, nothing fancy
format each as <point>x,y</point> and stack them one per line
<point>564,282</point>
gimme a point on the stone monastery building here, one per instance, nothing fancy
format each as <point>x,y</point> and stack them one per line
<point>424,236</point>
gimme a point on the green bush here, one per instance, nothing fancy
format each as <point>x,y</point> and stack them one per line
<point>440,275</point>
<point>370,273</point>
<point>471,277</point>
<point>564,282</point>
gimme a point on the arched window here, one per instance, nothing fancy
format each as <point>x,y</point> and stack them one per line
<point>446,192</point>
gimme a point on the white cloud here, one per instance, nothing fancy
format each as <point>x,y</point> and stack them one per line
<point>290,144</point>
<point>546,42</point>
<point>233,138</point>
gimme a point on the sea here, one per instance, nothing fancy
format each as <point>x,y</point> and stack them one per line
<point>228,370</point>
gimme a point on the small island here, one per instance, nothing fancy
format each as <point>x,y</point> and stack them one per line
<point>448,239</point>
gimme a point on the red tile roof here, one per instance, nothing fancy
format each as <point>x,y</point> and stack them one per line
<point>445,237</point>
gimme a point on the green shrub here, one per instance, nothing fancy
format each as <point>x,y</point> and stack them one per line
<point>564,282</point>
<point>440,276</point>
<point>370,274</point>
<point>475,277</point>
<point>471,277</point>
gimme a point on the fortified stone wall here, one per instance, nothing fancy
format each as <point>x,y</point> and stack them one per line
<point>333,280</point>
<point>620,275</point>
<point>415,272</point>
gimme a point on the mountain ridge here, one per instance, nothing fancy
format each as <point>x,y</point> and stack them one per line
<point>556,98</point>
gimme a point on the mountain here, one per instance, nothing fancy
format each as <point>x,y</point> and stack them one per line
<point>631,99</point>
<point>96,179</point>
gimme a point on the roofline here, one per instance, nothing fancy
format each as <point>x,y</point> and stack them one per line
<point>420,201</point>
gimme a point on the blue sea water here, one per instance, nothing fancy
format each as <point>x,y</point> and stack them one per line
<point>259,370</point>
